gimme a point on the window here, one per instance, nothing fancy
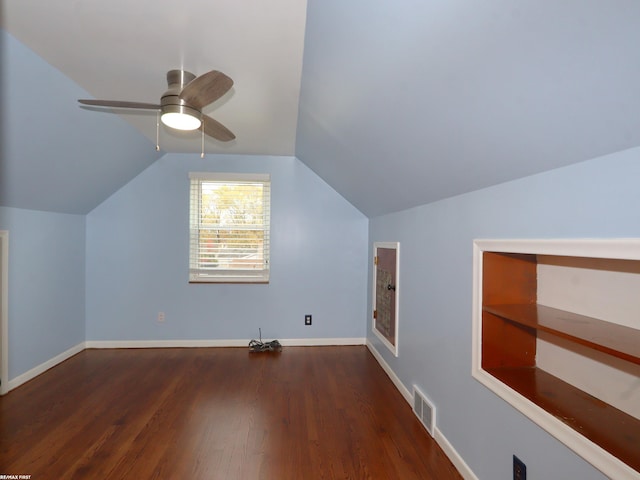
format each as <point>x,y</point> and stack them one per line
<point>229,227</point>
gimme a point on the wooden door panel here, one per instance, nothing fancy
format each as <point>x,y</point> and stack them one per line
<point>385,307</point>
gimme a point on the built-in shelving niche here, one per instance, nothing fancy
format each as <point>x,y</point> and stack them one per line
<point>557,335</point>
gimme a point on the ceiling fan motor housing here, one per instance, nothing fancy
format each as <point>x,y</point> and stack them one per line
<point>170,102</point>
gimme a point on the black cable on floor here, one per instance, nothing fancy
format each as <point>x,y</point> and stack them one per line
<point>257,346</point>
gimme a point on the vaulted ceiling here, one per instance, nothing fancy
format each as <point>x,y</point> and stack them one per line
<point>394,104</point>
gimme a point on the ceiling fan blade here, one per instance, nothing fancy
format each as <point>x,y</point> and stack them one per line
<point>206,89</point>
<point>215,129</point>
<point>119,104</point>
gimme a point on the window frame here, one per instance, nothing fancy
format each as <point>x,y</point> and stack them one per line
<point>197,274</point>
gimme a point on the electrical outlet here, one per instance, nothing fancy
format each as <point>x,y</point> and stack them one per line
<point>519,469</point>
<point>160,317</point>
<point>307,319</point>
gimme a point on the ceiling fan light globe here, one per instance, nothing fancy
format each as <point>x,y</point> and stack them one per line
<point>181,120</point>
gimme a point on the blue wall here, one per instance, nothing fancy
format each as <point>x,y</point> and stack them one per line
<point>46,285</point>
<point>598,198</point>
<point>137,260</point>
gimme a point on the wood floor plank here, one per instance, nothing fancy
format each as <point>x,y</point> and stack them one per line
<point>216,413</point>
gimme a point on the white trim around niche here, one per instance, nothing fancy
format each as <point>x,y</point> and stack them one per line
<point>619,248</point>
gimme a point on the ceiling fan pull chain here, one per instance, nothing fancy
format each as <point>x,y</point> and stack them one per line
<point>158,131</point>
<point>202,145</point>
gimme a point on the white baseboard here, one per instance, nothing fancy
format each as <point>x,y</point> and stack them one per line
<point>294,342</point>
<point>406,393</point>
<point>43,367</point>
<point>165,343</point>
<point>454,456</point>
<point>322,342</point>
<point>439,437</point>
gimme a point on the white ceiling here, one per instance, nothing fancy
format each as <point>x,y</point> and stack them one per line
<point>122,49</point>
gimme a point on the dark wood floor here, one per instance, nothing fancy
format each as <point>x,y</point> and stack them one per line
<point>216,413</point>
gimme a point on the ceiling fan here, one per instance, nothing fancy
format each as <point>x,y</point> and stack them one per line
<point>181,105</point>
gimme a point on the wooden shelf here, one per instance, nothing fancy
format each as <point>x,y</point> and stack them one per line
<point>617,340</point>
<point>610,428</point>
<point>511,319</point>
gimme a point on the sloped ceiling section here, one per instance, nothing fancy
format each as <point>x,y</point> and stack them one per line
<point>404,103</point>
<point>401,103</point>
<point>55,156</point>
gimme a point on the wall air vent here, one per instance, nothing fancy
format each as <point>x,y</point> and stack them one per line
<point>424,410</point>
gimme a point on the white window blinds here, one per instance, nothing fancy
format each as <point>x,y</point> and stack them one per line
<point>229,227</point>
